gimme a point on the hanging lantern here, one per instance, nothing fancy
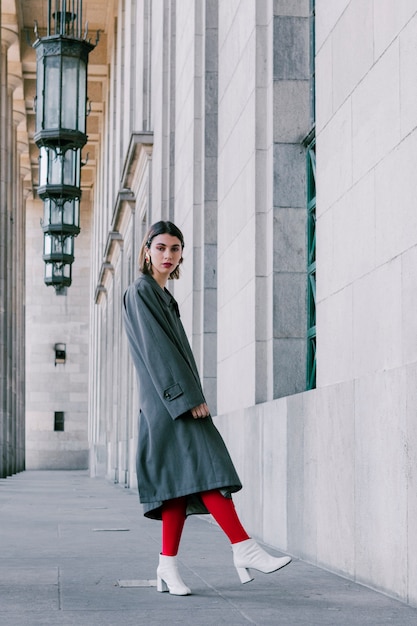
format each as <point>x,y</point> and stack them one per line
<point>58,254</point>
<point>61,109</point>
<point>58,248</point>
<point>61,78</point>
<point>58,275</point>
<point>61,215</point>
<point>59,188</point>
<point>59,173</point>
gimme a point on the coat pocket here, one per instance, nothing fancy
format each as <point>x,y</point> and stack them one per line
<point>172,392</point>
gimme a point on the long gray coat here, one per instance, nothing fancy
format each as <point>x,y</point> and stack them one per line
<point>177,454</point>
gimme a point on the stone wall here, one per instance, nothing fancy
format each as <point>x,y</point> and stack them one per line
<point>329,474</point>
<point>51,387</point>
<point>328,477</point>
<point>215,142</point>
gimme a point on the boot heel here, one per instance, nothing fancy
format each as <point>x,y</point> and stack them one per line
<point>161,585</point>
<point>244,574</point>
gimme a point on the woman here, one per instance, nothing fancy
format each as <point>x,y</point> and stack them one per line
<point>183,466</point>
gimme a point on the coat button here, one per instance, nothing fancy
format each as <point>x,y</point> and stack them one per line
<point>167,395</point>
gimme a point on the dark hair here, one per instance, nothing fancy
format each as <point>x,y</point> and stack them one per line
<point>159,228</point>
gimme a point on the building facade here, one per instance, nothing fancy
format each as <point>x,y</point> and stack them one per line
<point>281,137</point>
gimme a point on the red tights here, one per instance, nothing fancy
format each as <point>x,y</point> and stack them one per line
<point>222,509</point>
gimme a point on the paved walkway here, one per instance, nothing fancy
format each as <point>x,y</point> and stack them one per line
<point>72,546</point>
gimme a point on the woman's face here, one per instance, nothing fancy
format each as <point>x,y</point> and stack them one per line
<point>165,253</point>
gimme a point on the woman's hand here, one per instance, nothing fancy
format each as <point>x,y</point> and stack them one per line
<point>201,410</point>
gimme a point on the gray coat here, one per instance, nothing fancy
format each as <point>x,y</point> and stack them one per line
<point>177,454</point>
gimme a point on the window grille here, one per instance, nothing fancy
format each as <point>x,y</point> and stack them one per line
<point>311,265</point>
<point>310,144</point>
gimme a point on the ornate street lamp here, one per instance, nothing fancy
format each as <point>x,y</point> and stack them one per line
<point>61,78</point>
<point>61,110</point>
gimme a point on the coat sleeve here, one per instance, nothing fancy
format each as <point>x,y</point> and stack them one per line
<point>153,346</point>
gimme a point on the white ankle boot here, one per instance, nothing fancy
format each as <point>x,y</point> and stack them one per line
<point>168,577</point>
<point>248,554</point>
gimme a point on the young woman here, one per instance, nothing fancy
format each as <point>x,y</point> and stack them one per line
<point>183,466</point>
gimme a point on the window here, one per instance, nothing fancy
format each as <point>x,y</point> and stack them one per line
<point>59,421</point>
<point>311,264</point>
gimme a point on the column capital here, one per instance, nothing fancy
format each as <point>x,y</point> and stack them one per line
<point>13,81</point>
<point>19,111</point>
<point>22,144</point>
<point>8,37</point>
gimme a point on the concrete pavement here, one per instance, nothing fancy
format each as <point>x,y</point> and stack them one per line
<point>77,551</point>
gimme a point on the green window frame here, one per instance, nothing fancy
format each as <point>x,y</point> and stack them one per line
<point>311,265</point>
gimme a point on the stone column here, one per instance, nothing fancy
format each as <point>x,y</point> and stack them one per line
<point>10,272</point>
<point>6,306</point>
<point>3,74</point>
<point>291,123</point>
<point>23,191</point>
<point>209,217</point>
<point>18,286</point>
<point>3,262</point>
